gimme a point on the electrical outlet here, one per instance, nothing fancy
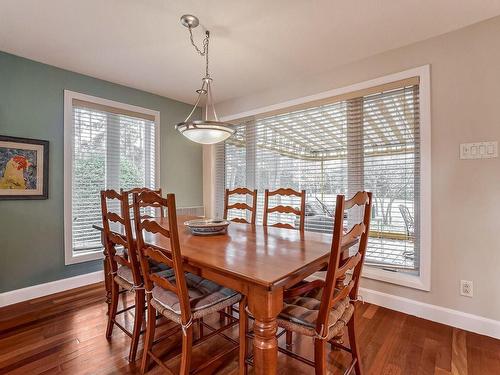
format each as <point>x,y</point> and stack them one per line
<point>466,288</point>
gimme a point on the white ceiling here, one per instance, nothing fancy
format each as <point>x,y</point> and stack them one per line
<point>255,44</point>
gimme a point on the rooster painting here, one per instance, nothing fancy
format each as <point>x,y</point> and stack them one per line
<point>14,173</point>
<point>24,168</point>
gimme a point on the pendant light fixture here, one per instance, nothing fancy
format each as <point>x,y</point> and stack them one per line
<point>209,130</point>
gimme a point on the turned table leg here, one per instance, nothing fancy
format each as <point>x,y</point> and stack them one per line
<point>265,306</point>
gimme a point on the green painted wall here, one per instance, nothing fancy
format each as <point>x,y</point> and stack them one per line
<point>31,106</point>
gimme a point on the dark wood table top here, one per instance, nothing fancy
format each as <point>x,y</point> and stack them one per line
<point>266,256</point>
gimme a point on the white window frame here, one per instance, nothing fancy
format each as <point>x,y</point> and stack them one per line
<point>423,280</point>
<point>69,96</point>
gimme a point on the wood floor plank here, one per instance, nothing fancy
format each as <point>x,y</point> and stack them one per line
<point>64,334</point>
<point>427,363</point>
<point>459,353</point>
<point>370,311</point>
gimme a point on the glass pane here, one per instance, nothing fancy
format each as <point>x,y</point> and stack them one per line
<point>89,176</point>
<point>132,153</point>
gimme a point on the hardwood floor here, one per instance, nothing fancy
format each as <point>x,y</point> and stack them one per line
<point>64,334</point>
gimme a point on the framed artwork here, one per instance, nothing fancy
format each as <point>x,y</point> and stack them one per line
<point>24,168</point>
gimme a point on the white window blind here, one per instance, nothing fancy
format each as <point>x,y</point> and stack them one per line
<point>111,149</point>
<point>367,142</point>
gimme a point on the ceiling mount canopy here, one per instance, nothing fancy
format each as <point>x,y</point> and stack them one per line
<point>209,130</point>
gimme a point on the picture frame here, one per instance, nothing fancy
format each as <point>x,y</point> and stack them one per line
<point>24,168</point>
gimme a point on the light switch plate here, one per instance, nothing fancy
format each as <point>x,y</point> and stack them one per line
<point>479,150</point>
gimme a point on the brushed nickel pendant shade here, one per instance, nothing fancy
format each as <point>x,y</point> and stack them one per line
<point>209,130</point>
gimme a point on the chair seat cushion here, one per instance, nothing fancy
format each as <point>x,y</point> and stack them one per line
<point>301,313</point>
<point>205,297</point>
<point>126,274</point>
<point>125,278</point>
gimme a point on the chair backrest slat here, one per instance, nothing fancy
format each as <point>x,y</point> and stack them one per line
<point>163,282</point>
<point>122,237</point>
<point>239,220</point>
<point>241,206</point>
<point>122,261</point>
<point>344,292</point>
<point>157,256</point>
<point>335,288</point>
<point>114,217</point>
<point>301,213</point>
<point>111,194</point>
<point>349,264</point>
<point>131,192</point>
<point>354,233</point>
<point>283,225</point>
<point>359,199</point>
<point>152,226</point>
<point>284,210</point>
<point>171,258</point>
<point>117,239</point>
<point>285,191</point>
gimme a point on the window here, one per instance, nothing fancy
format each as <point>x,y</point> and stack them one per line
<point>367,139</point>
<point>108,145</point>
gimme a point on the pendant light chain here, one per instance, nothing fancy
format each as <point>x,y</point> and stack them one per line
<point>205,48</point>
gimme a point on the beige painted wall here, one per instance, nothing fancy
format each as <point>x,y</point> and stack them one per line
<point>465,81</point>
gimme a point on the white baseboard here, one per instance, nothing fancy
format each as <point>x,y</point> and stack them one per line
<point>454,318</point>
<point>41,290</point>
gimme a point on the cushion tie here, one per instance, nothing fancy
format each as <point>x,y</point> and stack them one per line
<point>187,325</point>
<point>136,287</point>
<point>322,335</point>
<point>358,298</point>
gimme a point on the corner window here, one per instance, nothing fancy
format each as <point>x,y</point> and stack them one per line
<point>374,138</point>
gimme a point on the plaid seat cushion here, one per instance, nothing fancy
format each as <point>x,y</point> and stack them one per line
<point>301,313</point>
<point>205,297</point>
<point>158,267</point>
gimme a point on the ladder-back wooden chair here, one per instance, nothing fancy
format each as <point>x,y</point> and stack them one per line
<point>322,309</point>
<point>241,205</point>
<point>183,298</point>
<point>144,206</point>
<point>301,213</point>
<point>124,266</point>
<point>142,190</point>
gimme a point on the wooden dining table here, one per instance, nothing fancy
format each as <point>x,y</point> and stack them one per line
<point>260,263</point>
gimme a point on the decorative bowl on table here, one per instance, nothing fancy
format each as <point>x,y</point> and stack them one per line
<point>207,227</point>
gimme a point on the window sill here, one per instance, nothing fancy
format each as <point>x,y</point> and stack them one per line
<point>411,281</point>
<point>83,257</point>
